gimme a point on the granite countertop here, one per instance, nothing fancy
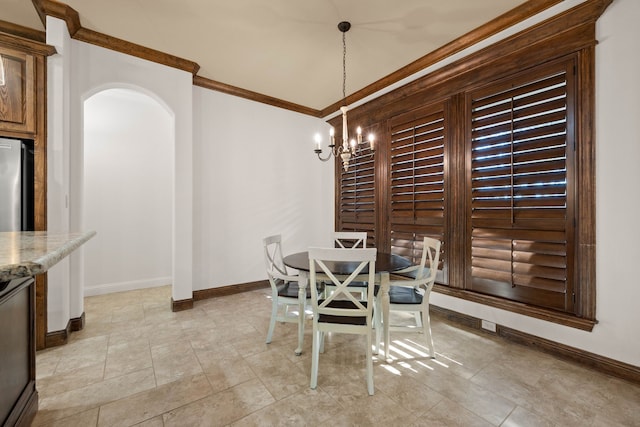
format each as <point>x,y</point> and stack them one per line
<point>27,253</point>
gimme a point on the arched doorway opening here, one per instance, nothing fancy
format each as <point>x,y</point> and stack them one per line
<point>128,175</point>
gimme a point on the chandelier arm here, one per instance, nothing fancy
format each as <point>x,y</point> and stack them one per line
<point>324,159</point>
<point>333,152</point>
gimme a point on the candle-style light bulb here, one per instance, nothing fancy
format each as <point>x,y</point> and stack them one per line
<point>332,135</point>
<point>359,134</point>
<point>318,140</point>
<point>371,139</point>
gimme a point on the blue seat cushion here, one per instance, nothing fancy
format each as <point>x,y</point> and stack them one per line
<point>402,295</point>
<point>345,320</point>
<point>290,289</point>
<point>351,285</point>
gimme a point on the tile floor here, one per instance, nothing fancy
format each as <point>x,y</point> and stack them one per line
<point>138,363</point>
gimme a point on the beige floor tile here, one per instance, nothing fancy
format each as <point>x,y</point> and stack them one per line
<point>82,353</point>
<point>56,384</point>
<point>309,407</point>
<point>221,408</point>
<point>130,333</point>
<point>605,421</point>
<point>224,373</point>
<point>174,360</point>
<point>151,403</point>
<point>128,313</point>
<point>528,389</point>
<point>493,407</point>
<point>366,410</point>
<point>127,357</point>
<point>46,363</point>
<point>72,402</point>
<point>168,333</point>
<point>505,382</point>
<point>213,367</point>
<point>153,422</point>
<point>250,345</point>
<point>408,393</point>
<point>83,419</point>
<point>281,378</point>
<point>448,413</point>
<point>520,417</point>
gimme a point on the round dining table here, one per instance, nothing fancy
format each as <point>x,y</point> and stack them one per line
<point>385,263</point>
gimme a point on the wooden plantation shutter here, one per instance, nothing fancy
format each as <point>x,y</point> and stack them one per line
<point>417,196</point>
<point>520,194</point>
<point>357,195</point>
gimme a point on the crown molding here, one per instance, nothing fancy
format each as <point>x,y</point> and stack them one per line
<point>253,96</point>
<point>60,11</point>
<point>24,32</point>
<point>77,32</point>
<point>12,41</point>
<point>123,46</point>
<point>502,22</point>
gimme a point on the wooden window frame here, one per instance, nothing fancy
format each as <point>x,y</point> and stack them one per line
<point>540,267</point>
<point>569,33</point>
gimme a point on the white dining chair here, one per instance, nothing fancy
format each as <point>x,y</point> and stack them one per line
<point>350,240</point>
<point>409,291</point>
<point>285,305</point>
<point>340,311</point>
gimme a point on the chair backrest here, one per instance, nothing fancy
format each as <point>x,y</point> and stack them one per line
<point>350,239</point>
<point>273,257</point>
<point>320,261</point>
<point>431,253</point>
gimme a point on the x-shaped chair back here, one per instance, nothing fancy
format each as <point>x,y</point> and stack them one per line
<point>273,256</point>
<point>430,251</point>
<point>350,239</point>
<point>320,260</point>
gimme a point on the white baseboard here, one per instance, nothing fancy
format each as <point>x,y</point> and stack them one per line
<point>109,288</point>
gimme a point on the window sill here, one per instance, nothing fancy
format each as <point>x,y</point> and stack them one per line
<point>520,308</point>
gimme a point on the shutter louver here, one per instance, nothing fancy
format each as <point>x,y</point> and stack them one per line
<point>417,199</point>
<point>357,195</point>
<point>519,192</point>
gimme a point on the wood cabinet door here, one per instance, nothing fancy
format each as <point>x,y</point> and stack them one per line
<point>17,100</point>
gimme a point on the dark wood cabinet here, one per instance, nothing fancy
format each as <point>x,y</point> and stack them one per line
<point>19,398</point>
<point>17,95</point>
<point>23,101</point>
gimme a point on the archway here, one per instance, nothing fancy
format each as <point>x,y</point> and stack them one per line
<point>128,175</point>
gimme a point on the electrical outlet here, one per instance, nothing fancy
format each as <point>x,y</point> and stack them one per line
<point>489,326</point>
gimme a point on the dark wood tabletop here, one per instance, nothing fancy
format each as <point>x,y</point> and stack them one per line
<point>385,262</point>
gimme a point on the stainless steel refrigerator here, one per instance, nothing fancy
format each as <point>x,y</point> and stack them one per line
<point>16,185</point>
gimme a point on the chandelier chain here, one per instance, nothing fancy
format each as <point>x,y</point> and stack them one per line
<point>349,149</point>
<point>344,67</point>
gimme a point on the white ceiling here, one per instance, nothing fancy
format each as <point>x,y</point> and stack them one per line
<point>287,49</point>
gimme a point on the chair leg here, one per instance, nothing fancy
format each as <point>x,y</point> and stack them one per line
<point>301,316</point>
<point>426,330</point>
<point>272,322</point>
<point>369,365</point>
<point>378,326</point>
<point>418,316</point>
<point>321,342</point>
<point>315,353</point>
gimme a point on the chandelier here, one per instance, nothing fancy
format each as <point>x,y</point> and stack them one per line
<point>348,148</point>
